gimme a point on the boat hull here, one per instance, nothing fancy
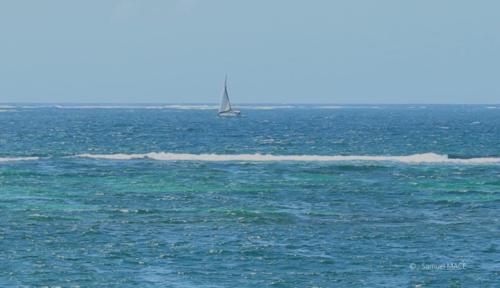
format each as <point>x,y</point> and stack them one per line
<point>233,113</point>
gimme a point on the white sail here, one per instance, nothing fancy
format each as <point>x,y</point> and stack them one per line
<point>225,109</point>
<point>225,105</point>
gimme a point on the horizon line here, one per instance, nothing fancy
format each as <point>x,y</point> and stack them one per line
<point>239,103</point>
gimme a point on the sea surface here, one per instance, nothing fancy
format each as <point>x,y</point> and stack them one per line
<point>285,196</point>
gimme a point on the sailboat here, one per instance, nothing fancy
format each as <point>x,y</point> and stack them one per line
<point>225,109</point>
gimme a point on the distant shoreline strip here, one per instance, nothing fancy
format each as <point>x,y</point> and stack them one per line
<point>411,159</point>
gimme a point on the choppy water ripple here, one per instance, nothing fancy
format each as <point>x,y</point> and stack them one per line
<point>70,221</point>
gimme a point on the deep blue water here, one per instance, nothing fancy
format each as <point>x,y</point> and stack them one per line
<point>70,221</point>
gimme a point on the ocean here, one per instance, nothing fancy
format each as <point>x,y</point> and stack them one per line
<point>285,196</point>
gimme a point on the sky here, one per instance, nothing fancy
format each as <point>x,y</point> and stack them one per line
<point>274,51</point>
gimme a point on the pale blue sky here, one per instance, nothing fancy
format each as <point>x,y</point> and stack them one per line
<point>316,51</point>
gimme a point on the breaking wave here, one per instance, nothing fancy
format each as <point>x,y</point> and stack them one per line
<point>180,107</point>
<point>173,106</point>
<point>411,159</point>
<point>190,107</point>
<point>12,159</point>
<point>7,108</point>
<point>265,107</point>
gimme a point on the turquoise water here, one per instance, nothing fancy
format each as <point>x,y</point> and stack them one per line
<point>85,201</point>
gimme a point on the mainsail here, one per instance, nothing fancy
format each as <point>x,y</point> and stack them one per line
<point>225,105</point>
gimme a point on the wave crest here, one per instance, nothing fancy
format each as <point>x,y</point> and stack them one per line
<point>411,159</point>
<point>12,159</point>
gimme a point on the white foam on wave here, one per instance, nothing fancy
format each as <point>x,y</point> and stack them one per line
<point>12,159</point>
<point>344,107</point>
<point>34,106</point>
<point>7,108</point>
<point>189,107</point>
<point>192,107</point>
<point>411,159</point>
<point>330,107</point>
<point>100,107</point>
<point>264,107</point>
<point>172,106</point>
